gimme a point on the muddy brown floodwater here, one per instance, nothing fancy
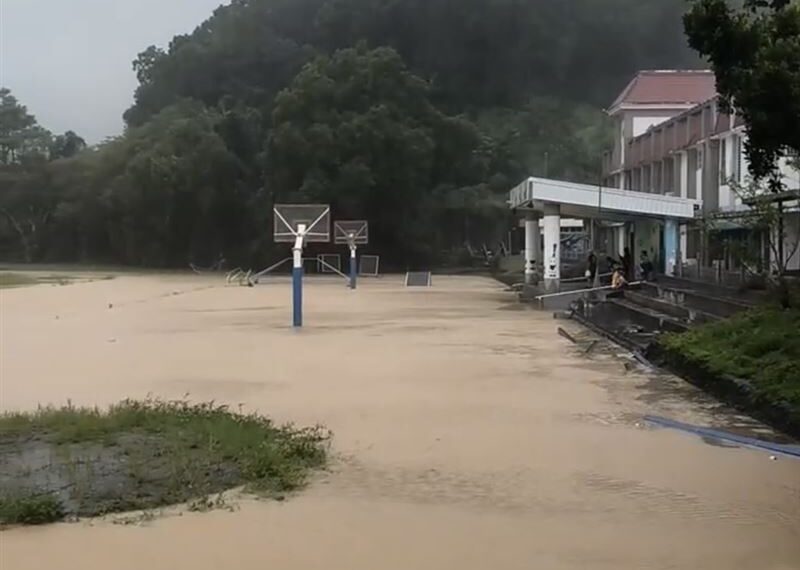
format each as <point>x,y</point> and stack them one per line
<point>468,434</point>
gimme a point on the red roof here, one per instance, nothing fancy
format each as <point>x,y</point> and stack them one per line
<point>680,87</point>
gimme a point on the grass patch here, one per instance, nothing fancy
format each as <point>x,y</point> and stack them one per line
<point>761,345</point>
<point>30,510</point>
<point>9,280</point>
<point>83,462</point>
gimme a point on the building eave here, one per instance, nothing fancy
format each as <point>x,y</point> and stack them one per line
<point>667,106</point>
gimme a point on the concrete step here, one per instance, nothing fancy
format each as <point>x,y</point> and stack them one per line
<point>681,312</point>
<point>618,324</point>
<point>699,301</point>
<point>628,323</point>
<point>649,319</point>
<point>745,296</point>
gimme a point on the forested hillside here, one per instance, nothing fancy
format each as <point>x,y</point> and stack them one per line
<point>415,114</point>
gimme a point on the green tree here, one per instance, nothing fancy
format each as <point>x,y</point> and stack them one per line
<point>66,146</point>
<point>176,193</point>
<point>767,213</point>
<point>754,51</point>
<point>550,138</point>
<point>357,130</point>
<point>20,135</point>
<point>235,54</point>
<point>26,204</point>
<point>26,207</point>
<point>145,63</point>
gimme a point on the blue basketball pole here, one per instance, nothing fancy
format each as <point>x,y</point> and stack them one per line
<point>353,267</point>
<point>297,296</point>
<point>297,282</point>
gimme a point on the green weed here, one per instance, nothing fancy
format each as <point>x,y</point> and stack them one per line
<point>761,345</point>
<point>30,510</point>
<point>140,455</point>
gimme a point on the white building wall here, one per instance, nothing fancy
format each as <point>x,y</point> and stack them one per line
<point>698,173</point>
<point>791,175</point>
<point>729,198</point>
<point>725,194</point>
<point>746,178</point>
<point>641,124</point>
<point>683,183</point>
<point>635,124</point>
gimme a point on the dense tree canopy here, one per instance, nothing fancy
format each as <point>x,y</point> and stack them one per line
<point>357,130</point>
<point>755,53</point>
<point>477,53</point>
<point>415,114</point>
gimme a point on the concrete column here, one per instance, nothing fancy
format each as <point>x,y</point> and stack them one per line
<point>684,229</point>
<point>684,173</point>
<point>622,239</point>
<point>671,241</point>
<point>552,248</point>
<point>532,240</point>
<point>537,241</point>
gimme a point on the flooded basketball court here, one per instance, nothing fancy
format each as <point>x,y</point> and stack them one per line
<point>467,433</point>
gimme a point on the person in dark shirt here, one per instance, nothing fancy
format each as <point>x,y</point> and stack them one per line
<point>627,263</point>
<point>646,266</point>
<point>591,268</point>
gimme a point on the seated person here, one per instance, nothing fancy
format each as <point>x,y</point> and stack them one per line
<point>618,280</point>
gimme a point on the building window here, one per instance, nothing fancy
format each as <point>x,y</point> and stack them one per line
<point>699,160</point>
<point>723,161</point>
<point>737,158</point>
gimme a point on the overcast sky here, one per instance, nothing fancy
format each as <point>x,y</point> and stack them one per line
<point>69,61</point>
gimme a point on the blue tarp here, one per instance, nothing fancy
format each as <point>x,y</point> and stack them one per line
<point>790,450</point>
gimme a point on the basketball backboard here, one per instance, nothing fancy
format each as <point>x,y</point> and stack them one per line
<point>289,218</point>
<point>347,232</point>
<point>329,263</point>
<point>369,266</point>
<point>418,279</point>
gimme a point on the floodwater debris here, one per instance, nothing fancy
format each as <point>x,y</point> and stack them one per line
<point>69,463</point>
<point>566,335</point>
<point>563,315</point>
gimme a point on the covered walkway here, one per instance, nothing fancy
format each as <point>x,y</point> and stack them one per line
<point>549,200</point>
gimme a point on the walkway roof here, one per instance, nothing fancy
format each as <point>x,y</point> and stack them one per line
<point>586,201</point>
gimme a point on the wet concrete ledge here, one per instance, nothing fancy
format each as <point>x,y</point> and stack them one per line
<point>701,301</point>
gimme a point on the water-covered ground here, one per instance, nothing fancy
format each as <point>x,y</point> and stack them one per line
<point>467,434</point>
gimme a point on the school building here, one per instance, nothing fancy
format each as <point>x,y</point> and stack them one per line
<point>672,138</point>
